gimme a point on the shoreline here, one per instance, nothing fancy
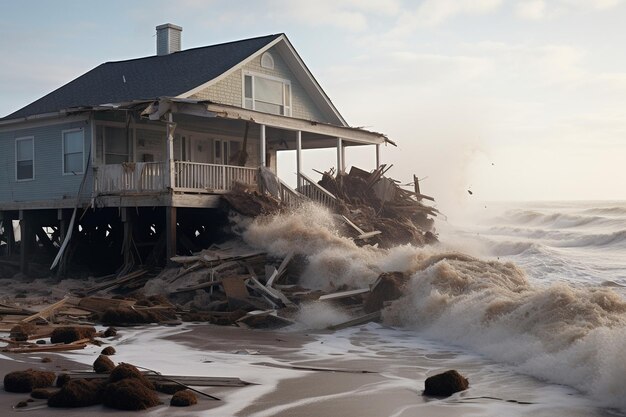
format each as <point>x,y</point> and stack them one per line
<point>397,361</point>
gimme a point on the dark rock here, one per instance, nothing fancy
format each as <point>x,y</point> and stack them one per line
<point>183,398</point>
<point>103,365</point>
<point>109,350</point>
<point>445,384</point>
<point>129,394</point>
<point>46,360</point>
<point>77,393</point>
<point>110,332</point>
<point>127,371</point>
<point>26,381</point>
<point>62,379</point>
<point>69,334</point>
<point>388,287</point>
<point>20,332</point>
<point>41,393</point>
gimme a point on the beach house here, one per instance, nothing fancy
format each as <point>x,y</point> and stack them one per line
<point>130,159</point>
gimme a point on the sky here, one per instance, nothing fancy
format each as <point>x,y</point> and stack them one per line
<point>512,100</point>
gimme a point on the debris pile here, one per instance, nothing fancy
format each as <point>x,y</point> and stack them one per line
<point>371,203</point>
<point>220,285</point>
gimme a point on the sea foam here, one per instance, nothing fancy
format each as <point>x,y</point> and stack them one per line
<point>557,332</point>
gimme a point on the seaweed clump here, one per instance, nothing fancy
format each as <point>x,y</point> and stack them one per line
<point>26,381</point>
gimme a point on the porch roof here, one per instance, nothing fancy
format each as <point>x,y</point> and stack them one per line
<point>315,134</point>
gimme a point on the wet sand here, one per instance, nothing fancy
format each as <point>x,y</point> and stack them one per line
<point>275,361</point>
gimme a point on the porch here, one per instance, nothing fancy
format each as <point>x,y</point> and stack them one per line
<point>195,147</point>
<point>197,178</point>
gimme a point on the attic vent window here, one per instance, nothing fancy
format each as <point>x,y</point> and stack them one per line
<point>267,61</point>
<point>267,94</point>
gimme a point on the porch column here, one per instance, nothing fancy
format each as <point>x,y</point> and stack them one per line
<point>7,224</point>
<point>262,146</point>
<point>377,156</point>
<point>170,181</point>
<point>339,156</point>
<point>170,233</point>
<point>298,158</point>
<point>62,219</point>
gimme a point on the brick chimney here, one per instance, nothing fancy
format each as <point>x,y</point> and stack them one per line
<point>168,38</point>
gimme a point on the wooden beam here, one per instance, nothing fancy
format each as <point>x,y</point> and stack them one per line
<point>25,241</point>
<point>298,158</point>
<point>170,232</point>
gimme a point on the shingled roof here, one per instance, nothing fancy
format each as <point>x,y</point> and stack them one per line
<point>146,78</point>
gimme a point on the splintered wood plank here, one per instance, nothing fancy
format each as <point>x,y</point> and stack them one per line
<point>367,235</point>
<point>343,294</point>
<point>197,381</point>
<point>61,347</point>
<point>234,287</point>
<point>278,273</point>
<point>100,304</point>
<point>46,312</point>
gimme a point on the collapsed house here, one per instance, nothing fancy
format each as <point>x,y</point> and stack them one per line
<point>126,164</point>
<point>150,144</point>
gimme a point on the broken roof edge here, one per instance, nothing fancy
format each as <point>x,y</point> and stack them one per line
<point>208,108</point>
<point>212,109</point>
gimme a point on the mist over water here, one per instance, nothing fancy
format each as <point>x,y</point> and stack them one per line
<point>544,296</point>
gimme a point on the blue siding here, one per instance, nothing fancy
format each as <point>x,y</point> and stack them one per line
<point>49,182</point>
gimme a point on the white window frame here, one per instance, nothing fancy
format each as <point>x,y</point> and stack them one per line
<point>267,61</point>
<point>32,139</point>
<point>82,171</point>
<point>268,77</point>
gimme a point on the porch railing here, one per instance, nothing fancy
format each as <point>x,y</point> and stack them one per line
<point>196,176</point>
<point>315,192</point>
<point>151,177</point>
<point>130,177</point>
<point>288,195</point>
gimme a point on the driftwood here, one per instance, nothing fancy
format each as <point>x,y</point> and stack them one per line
<point>115,283</point>
<point>198,381</point>
<point>46,312</point>
<point>57,347</point>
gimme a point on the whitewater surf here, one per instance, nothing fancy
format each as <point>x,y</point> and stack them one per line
<point>536,301</point>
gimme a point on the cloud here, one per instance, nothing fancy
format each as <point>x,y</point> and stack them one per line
<point>531,9</point>
<point>435,12</point>
<point>351,15</point>
<point>542,9</point>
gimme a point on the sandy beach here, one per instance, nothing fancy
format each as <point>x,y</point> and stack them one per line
<point>366,371</point>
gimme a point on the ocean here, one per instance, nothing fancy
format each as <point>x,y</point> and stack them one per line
<point>528,299</point>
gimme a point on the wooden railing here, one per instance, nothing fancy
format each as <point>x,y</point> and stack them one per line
<point>188,176</point>
<point>289,196</point>
<point>315,192</point>
<point>130,177</point>
<point>196,176</point>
